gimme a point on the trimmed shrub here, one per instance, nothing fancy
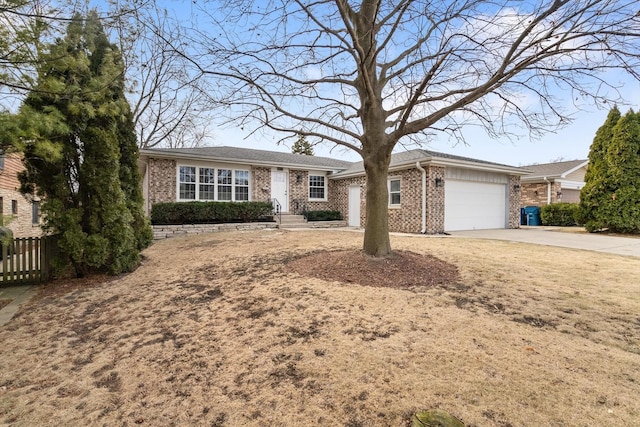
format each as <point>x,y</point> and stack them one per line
<point>210,212</point>
<point>323,215</point>
<point>560,214</point>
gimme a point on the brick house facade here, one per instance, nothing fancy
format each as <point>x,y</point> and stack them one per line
<point>164,170</point>
<point>553,183</point>
<point>541,193</point>
<point>325,184</point>
<point>19,213</point>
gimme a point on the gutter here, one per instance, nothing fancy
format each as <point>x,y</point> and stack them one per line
<point>208,158</point>
<point>495,168</point>
<point>424,198</point>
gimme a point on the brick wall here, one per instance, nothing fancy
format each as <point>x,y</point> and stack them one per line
<point>9,174</point>
<point>162,181</point>
<point>435,201</point>
<point>535,194</point>
<point>514,202</point>
<point>21,223</point>
<point>260,184</point>
<point>298,191</point>
<point>339,196</point>
<point>408,217</point>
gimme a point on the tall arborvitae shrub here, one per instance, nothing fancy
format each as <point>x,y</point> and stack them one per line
<point>623,160</point>
<point>610,198</point>
<point>77,156</point>
<point>131,181</point>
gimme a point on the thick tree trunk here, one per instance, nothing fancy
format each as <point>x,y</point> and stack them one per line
<point>376,232</point>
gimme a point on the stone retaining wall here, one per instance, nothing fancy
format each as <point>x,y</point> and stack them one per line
<point>167,231</point>
<point>326,224</point>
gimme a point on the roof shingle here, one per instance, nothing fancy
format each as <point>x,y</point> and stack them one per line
<point>250,154</point>
<point>555,169</point>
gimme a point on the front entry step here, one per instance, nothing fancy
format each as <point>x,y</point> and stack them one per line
<point>298,221</point>
<point>292,221</point>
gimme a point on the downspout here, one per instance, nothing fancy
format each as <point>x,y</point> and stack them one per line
<point>548,190</point>
<point>148,190</point>
<point>145,190</point>
<point>424,197</point>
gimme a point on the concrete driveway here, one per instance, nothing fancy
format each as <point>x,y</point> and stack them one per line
<point>547,236</point>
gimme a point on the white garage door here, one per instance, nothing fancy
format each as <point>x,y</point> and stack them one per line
<point>474,205</point>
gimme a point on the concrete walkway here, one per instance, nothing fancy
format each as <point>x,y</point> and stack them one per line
<point>18,295</point>
<point>547,236</point>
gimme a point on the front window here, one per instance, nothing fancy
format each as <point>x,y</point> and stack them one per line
<point>207,184</point>
<point>394,192</point>
<point>224,184</point>
<point>187,182</point>
<point>242,185</point>
<point>316,187</point>
<point>212,184</point>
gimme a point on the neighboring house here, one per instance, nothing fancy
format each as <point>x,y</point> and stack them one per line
<point>428,192</point>
<point>553,182</point>
<point>19,213</point>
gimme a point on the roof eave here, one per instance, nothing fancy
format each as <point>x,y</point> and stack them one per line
<point>204,157</point>
<point>510,170</point>
<point>540,178</point>
<point>439,161</point>
<point>581,165</point>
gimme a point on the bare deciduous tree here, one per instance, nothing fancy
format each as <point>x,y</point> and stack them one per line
<point>166,95</point>
<point>167,102</point>
<point>23,27</point>
<point>28,26</point>
<point>369,74</point>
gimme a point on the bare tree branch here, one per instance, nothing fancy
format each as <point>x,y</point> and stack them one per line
<point>371,74</point>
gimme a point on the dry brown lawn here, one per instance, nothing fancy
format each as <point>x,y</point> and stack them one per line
<point>218,330</point>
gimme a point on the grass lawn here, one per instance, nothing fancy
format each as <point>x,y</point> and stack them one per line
<point>217,330</point>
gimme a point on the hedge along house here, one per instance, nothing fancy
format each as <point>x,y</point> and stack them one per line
<point>237,174</point>
<point>553,182</point>
<point>428,192</point>
<point>433,192</point>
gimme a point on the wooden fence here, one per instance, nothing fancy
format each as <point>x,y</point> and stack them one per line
<point>27,260</point>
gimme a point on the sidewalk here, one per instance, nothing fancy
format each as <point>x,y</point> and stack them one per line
<point>18,295</point>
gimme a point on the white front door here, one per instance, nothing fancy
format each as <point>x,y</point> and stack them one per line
<point>354,206</point>
<point>280,188</point>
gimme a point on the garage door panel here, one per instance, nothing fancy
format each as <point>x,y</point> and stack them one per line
<point>474,205</point>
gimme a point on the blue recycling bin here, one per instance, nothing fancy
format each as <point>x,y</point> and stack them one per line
<point>533,215</point>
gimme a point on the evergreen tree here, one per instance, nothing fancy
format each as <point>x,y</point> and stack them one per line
<point>610,198</point>
<point>623,159</point>
<point>302,146</point>
<point>131,181</point>
<point>597,186</point>
<point>78,152</point>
